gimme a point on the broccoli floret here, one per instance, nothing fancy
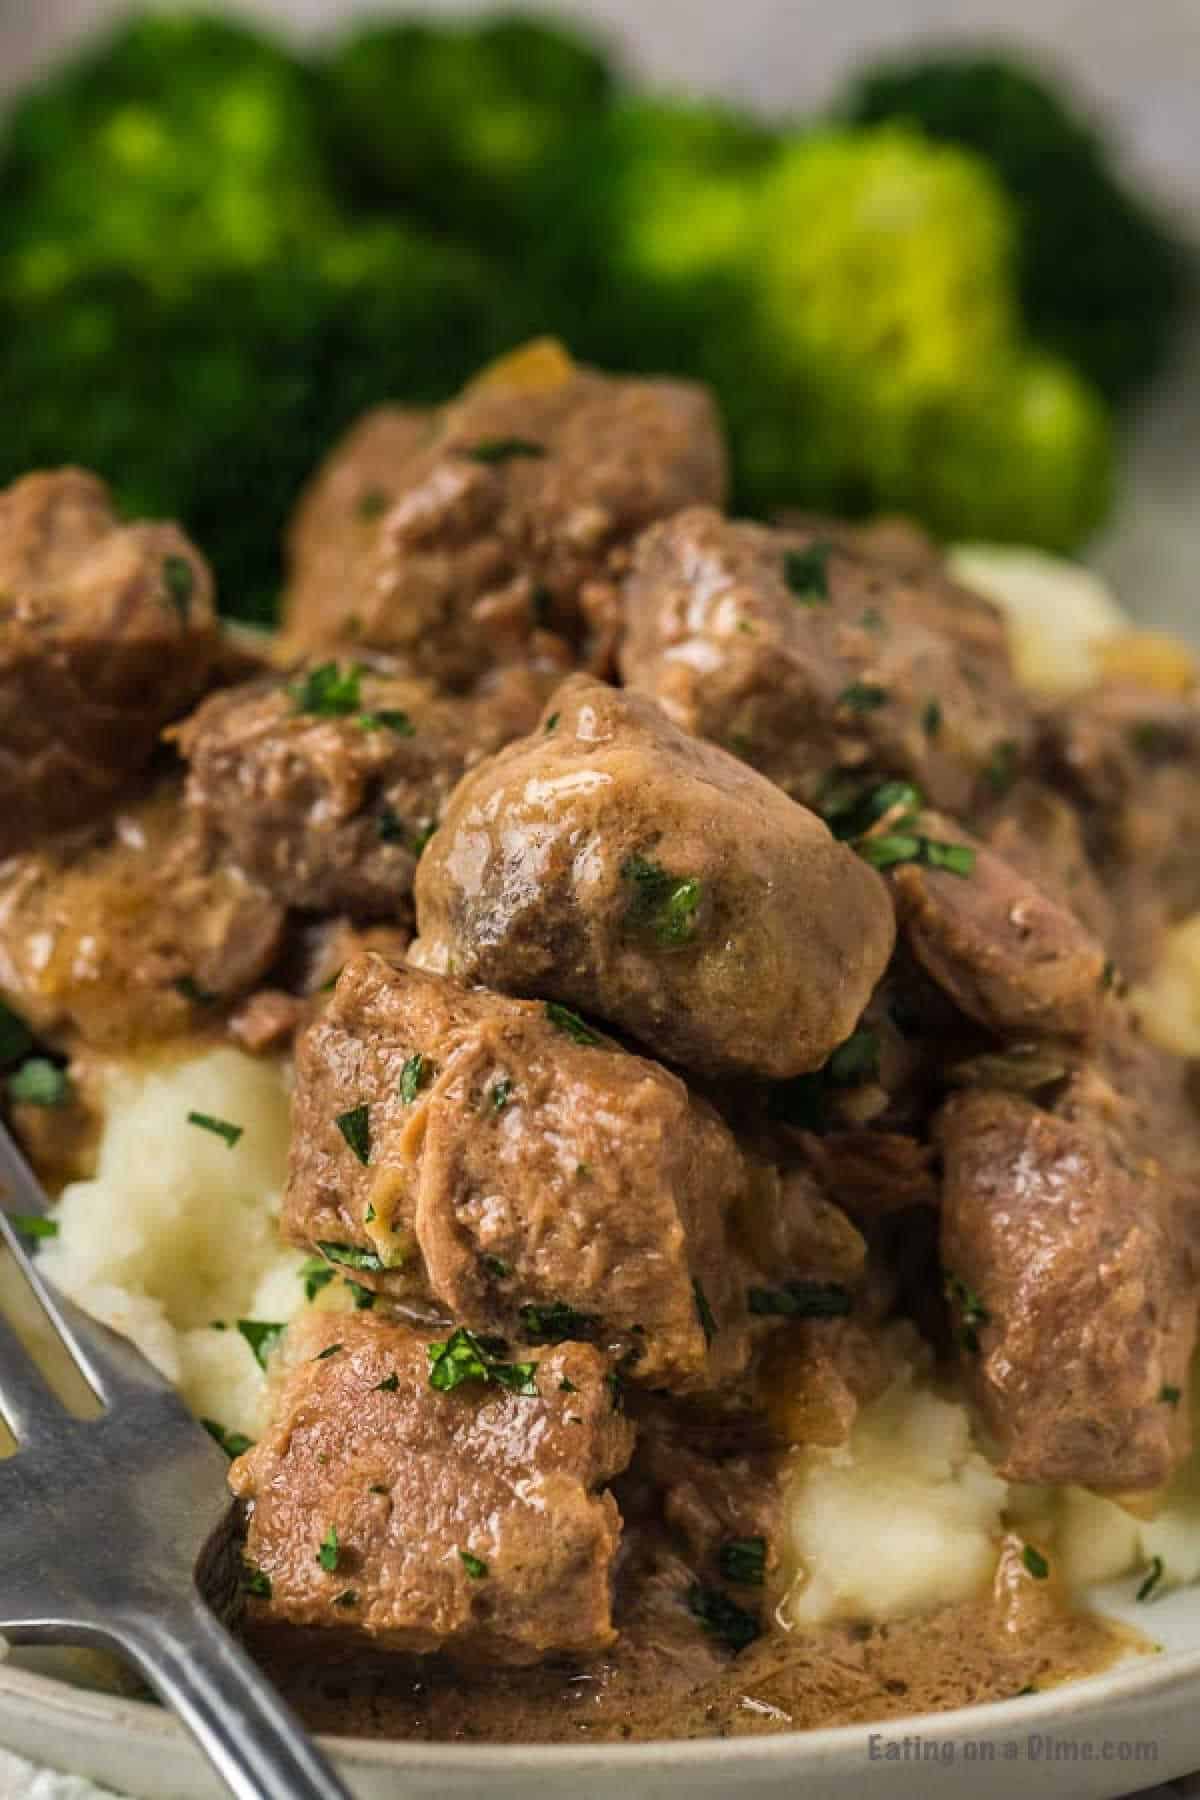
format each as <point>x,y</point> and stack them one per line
<point>1101,279</point>
<point>450,122</point>
<point>181,143</point>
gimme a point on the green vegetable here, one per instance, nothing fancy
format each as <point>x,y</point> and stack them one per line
<point>329,1551</point>
<point>261,1337</point>
<point>496,1265</point>
<point>971,1311</point>
<point>316,1274</point>
<point>1002,765</point>
<point>466,1357</point>
<point>722,1617</point>
<point>862,697</point>
<point>39,1082</point>
<point>219,1127</point>
<point>178,581</point>
<point>502,450</point>
<point>500,1095</point>
<point>327,692</point>
<point>387,719</point>
<point>1170,1396</point>
<point>666,905</point>
<point>416,1073</point>
<point>807,573</point>
<point>347,1597</point>
<point>803,1101</point>
<point>328,1351</point>
<point>390,827</point>
<point>355,1127</point>
<point>708,1323</point>
<point>33,1225</point>
<point>1035,1562</point>
<point>364,1297</point>
<point>801,1300</point>
<point>1152,1579</point>
<point>743,1560</point>
<point>256,1581</point>
<point>16,1039</point>
<point>388,1385</point>
<point>563,1019</point>
<point>474,1565</point>
<point>555,1322</point>
<point>350,1256</point>
<point>233,1443</point>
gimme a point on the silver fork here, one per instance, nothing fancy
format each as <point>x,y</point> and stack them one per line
<point>107,1523</point>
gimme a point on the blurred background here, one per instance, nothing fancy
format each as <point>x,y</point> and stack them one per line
<point>937,258</point>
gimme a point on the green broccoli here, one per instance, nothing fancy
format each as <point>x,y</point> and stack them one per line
<point>1101,279</point>
<point>450,122</point>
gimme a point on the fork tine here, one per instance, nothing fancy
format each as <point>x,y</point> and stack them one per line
<point>107,1363</point>
<point>30,1406</point>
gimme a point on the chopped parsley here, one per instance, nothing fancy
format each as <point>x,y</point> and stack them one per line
<point>500,1095</point>
<point>33,1225</point>
<point>327,692</point>
<point>16,1039</point>
<point>743,1560</point>
<point>347,1597</point>
<point>862,697</point>
<point>801,1300</point>
<point>189,989</point>
<point>390,827</point>
<point>316,1274</point>
<point>616,1390</point>
<point>350,1256</point>
<point>421,837</point>
<point>1153,1576</point>
<point>889,851</point>
<point>387,719</point>
<point>465,1357</point>
<point>802,1101</point>
<point>328,1351</point>
<point>364,1297</point>
<point>563,1019</point>
<point>722,1617</point>
<point>261,1337</point>
<point>39,1082</point>
<point>415,1074</point>
<point>388,1385</point>
<point>1001,769</point>
<point>330,1551</point>
<point>555,1322</point>
<point>233,1443</point>
<point>496,1265</point>
<point>551,723</point>
<point>931,718</point>
<point>372,502</point>
<point>853,809</point>
<point>567,1386</point>
<point>1035,1562</point>
<point>219,1127</point>
<point>503,449</point>
<point>666,904</point>
<point>256,1581</point>
<point>178,583</point>
<point>474,1565</point>
<point>355,1127</point>
<point>807,574</point>
<point>1170,1396</point>
<point>971,1311</point>
<point>379,1487</point>
<point>704,1312</point>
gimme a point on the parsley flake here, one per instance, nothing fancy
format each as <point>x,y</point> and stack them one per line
<point>807,574</point>
<point>178,583</point>
<point>563,1019</point>
<point>388,1385</point>
<point>667,904</point>
<point>971,1311</point>
<point>465,1357</point>
<point>261,1337</point>
<point>801,1300</point>
<point>233,1443</point>
<point>329,1551</point>
<point>355,1127</point>
<point>500,1095</point>
<point>1170,1396</point>
<point>1153,1576</point>
<point>372,502</point>
<point>350,1256</point>
<point>502,449</point>
<point>415,1075</point>
<point>555,1322</point>
<point>328,693</point>
<point>474,1565</point>
<point>256,1581</point>
<point>722,1617</point>
<point>862,697</point>
<point>1035,1562</point>
<point>743,1560</point>
<point>219,1127</point>
<point>704,1311</point>
<point>33,1225</point>
<point>39,1082</point>
<point>387,719</point>
<point>328,1351</point>
<point>316,1274</point>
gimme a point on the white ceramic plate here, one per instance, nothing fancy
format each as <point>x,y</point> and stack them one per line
<point>1132,1728</point>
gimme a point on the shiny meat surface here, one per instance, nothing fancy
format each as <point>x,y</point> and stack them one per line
<point>524,1181</point>
<point>611,863</point>
<point>326,791</point>
<point>510,523</point>
<point>471,1520</point>
<point>801,654</point>
<point>107,633</point>
<point>130,930</point>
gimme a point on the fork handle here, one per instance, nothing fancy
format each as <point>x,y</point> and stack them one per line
<point>249,1734</point>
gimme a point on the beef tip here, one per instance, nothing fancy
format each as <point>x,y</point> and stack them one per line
<point>1007,954</point>
<point>1039,833</point>
<point>107,632</point>
<point>326,786</point>
<point>129,930</point>
<point>1071,1274</point>
<point>1128,759</point>
<point>520,1177</point>
<point>801,654</point>
<point>611,863</point>
<point>468,1520</point>
<point>509,525</point>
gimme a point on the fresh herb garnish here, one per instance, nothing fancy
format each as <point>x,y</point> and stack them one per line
<point>387,719</point>
<point>616,1390</point>
<point>328,1351</point>
<point>219,1127</point>
<point>474,1565</point>
<point>862,697</point>
<point>379,1487</point>
<point>316,1274</point>
<point>33,1225</point>
<point>388,1385</point>
<point>567,1386</point>
<point>667,904</point>
<point>189,989</point>
<point>722,1617</point>
<point>421,837</point>
<point>496,1265</point>
<point>801,1300</point>
<point>261,1337</point>
<point>743,1560</point>
<point>347,1597</point>
<point>415,1074</point>
<point>807,574</point>
<point>390,827</point>
<point>500,1094</point>
<point>39,1082</point>
<point>329,1551</point>
<point>1035,1562</point>
<point>563,1019</point>
<point>256,1581</point>
<point>465,1357</point>
<point>1169,1395</point>
<point>502,449</point>
<point>555,1322</point>
<point>971,1311</point>
<point>327,692</point>
<point>931,718</point>
<point>372,502</point>
<point>350,1256</point>
<point>233,1443</point>
<point>1001,770</point>
<point>551,723</point>
<point>178,583</point>
<point>16,1039</point>
<point>363,1297</point>
<point>1153,1576</point>
<point>889,851</point>
<point>704,1312</point>
<point>355,1127</point>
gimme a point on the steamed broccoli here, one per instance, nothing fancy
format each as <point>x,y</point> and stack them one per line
<point>1101,280</point>
<point>449,122</point>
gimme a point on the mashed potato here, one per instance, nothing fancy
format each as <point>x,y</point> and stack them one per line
<point>1058,613</point>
